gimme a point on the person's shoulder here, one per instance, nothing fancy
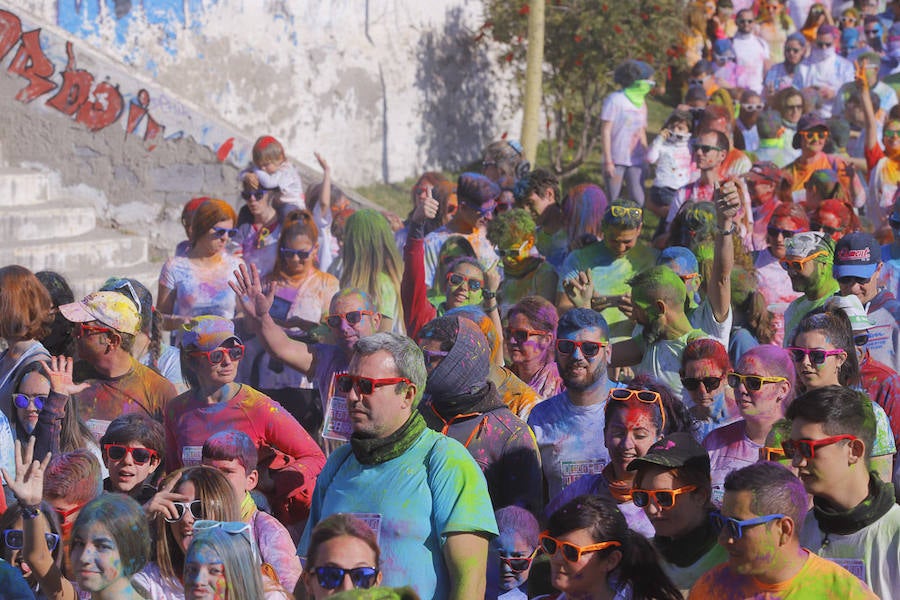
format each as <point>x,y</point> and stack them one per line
<point>544,411</point>
<point>724,435</point>
<point>718,582</point>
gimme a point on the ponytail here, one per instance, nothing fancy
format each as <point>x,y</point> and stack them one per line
<point>155,333</point>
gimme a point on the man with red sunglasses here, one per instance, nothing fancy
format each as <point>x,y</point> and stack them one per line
<point>855,520</point>
<point>114,383</point>
<point>421,491</point>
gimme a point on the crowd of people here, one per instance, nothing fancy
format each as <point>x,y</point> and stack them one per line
<point>684,388</point>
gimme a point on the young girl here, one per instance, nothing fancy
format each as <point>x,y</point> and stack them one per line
<point>671,154</point>
<point>270,166</point>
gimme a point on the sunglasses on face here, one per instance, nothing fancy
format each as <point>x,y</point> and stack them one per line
<point>895,223</point>
<point>588,349</point>
<point>872,32</point>
<point>848,20</point>
<point>572,553</point>
<point>23,400</point>
<point>662,498</point>
<point>696,81</point>
<point>850,280</point>
<point>814,136</point>
<point>793,50</point>
<point>752,107</point>
<point>330,578</point>
<point>140,456</point>
<point>518,564</point>
<point>825,228</point>
<point>520,336</point>
<point>816,356</point>
<point>223,232</point>
<point>365,385</point>
<point>704,149</point>
<point>353,317</point>
<point>709,383</point>
<point>807,448</point>
<point>626,211</point>
<point>775,232</point>
<point>218,355</point>
<point>744,21</point>
<point>753,383</point>
<point>14,539</point>
<point>84,330</point>
<point>797,263</point>
<point>643,396</point>
<point>288,253</point>
<point>861,339</point>
<point>890,134</point>
<point>483,211</point>
<point>735,528</point>
<point>254,195</point>
<point>195,507</point>
<point>503,253</point>
<point>769,453</point>
<point>456,279</point>
<point>793,107</point>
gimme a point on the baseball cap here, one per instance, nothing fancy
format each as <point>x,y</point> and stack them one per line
<point>856,255</point>
<point>207,332</point>
<point>803,244</point>
<point>807,122</point>
<point>853,308</point>
<point>113,309</point>
<point>674,451</point>
<point>767,170</point>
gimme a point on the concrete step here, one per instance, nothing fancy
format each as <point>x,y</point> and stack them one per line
<point>80,255</point>
<point>22,187</point>
<point>58,219</point>
<point>146,272</point>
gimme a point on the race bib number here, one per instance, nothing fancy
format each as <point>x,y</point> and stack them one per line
<point>337,420</point>
<point>191,456</point>
<point>98,427</point>
<point>373,520</point>
<point>857,566</point>
<point>574,469</point>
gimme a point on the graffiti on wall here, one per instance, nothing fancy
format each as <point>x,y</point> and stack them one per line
<point>80,95</point>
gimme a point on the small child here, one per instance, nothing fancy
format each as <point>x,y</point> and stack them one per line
<point>272,168</point>
<point>671,154</point>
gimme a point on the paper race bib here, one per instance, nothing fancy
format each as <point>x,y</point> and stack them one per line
<point>574,469</point>
<point>373,520</point>
<point>191,456</point>
<point>98,427</point>
<point>337,420</point>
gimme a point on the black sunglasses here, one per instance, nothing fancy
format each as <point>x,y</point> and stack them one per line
<point>861,339</point>
<point>287,253</point>
<point>776,231</point>
<point>693,383</point>
<point>330,578</point>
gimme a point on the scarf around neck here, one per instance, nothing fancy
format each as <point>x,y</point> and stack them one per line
<point>374,451</point>
<point>844,522</point>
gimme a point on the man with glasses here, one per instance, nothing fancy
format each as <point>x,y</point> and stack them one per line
<point>857,268</point>
<point>826,70</point>
<point>596,276</point>
<point>764,508</point>
<point>808,259</point>
<point>423,493</point>
<point>477,197</point>
<point>113,382</point>
<point>812,134</point>
<point>673,487</point>
<point>568,426</point>
<point>710,150</point>
<point>752,53</point>
<point>855,520</point>
<point>352,316</point>
<point>462,403</point>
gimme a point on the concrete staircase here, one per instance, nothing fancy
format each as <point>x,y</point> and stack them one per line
<point>44,229</point>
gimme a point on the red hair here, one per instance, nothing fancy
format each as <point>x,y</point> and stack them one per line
<point>706,349</point>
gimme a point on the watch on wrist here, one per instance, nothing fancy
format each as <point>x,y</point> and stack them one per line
<point>488,295</point>
<point>728,231</point>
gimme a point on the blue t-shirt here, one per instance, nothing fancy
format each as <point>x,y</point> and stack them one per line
<point>13,584</point>
<point>412,502</point>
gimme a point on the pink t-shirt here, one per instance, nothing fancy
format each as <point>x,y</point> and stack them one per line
<point>775,286</point>
<point>729,449</point>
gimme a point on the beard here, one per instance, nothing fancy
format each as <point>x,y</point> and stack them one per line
<point>581,375</point>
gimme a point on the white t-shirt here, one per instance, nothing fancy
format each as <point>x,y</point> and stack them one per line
<point>752,53</point>
<point>570,439</point>
<point>628,125</point>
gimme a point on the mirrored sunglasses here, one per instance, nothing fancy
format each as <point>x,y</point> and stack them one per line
<point>330,578</point>
<point>23,400</point>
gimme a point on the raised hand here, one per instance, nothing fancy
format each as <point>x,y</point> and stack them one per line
<point>580,289</point>
<point>59,372</point>
<point>322,163</point>
<point>162,503</point>
<point>28,483</point>
<point>247,286</point>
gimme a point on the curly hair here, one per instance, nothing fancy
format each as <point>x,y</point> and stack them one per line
<point>510,228</point>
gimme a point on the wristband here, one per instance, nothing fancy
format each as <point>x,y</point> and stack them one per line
<point>727,231</point>
<point>488,309</point>
<point>30,512</point>
<point>488,295</point>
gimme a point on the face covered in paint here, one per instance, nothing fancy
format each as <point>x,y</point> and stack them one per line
<point>535,346</point>
<point>711,377</point>
<point>809,274</point>
<point>464,285</point>
<point>632,428</point>
<point>765,403</point>
<point>580,372</point>
<point>589,574</point>
<point>96,560</point>
<point>778,231</point>
<point>757,548</point>
<point>204,573</point>
<point>512,550</point>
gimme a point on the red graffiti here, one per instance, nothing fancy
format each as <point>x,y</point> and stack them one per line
<point>225,149</point>
<point>10,31</point>
<point>94,105</point>
<point>31,63</point>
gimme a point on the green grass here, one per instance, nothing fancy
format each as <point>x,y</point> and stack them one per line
<point>395,196</point>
